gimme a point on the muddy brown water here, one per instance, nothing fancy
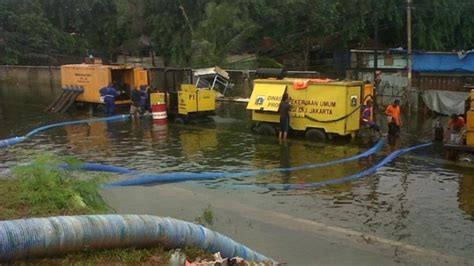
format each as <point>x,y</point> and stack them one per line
<point>420,199</point>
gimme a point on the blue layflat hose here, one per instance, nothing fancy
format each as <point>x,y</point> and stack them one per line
<point>392,156</point>
<point>148,178</point>
<point>59,235</point>
<point>145,179</point>
<point>15,140</point>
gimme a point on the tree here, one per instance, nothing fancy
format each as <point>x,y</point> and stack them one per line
<point>27,36</point>
<point>205,32</point>
<point>221,32</point>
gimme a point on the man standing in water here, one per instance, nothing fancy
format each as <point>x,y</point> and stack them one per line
<point>109,93</point>
<point>136,100</point>
<point>393,117</point>
<point>455,127</point>
<point>284,111</point>
<point>366,118</point>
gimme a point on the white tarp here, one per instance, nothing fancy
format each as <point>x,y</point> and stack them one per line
<point>445,102</point>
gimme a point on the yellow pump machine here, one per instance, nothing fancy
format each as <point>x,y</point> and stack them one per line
<point>320,108</point>
<point>82,83</point>
<point>464,152</point>
<point>185,102</point>
<point>470,123</point>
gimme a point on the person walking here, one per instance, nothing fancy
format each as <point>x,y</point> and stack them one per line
<point>393,113</point>
<point>284,110</point>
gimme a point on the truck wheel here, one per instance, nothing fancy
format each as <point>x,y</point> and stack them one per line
<point>316,134</point>
<point>266,129</point>
<point>254,128</point>
<point>179,120</point>
<point>466,158</point>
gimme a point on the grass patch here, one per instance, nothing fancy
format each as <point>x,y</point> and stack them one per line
<point>206,218</point>
<point>130,256</point>
<point>42,188</point>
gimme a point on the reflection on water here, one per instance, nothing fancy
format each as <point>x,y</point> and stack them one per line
<point>466,193</point>
<point>418,201</point>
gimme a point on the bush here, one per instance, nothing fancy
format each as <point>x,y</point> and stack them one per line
<point>47,189</point>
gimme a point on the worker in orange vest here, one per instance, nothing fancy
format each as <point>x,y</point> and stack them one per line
<point>455,127</point>
<point>394,118</point>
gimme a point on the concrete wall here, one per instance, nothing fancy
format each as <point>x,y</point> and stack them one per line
<point>47,81</point>
<point>30,74</point>
<point>39,82</point>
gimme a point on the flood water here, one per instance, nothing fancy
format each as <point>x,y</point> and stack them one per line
<point>419,199</point>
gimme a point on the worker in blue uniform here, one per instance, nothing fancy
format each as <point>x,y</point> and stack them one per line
<point>109,93</point>
<point>366,117</point>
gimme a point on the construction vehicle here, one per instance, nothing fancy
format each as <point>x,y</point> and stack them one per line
<point>320,108</point>
<point>82,82</point>
<point>184,101</point>
<point>464,153</point>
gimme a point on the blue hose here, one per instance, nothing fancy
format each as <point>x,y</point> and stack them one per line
<point>11,141</point>
<point>145,178</point>
<point>59,235</point>
<point>148,178</point>
<point>15,140</point>
<point>392,156</point>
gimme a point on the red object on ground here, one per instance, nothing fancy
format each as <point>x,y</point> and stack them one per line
<point>159,113</point>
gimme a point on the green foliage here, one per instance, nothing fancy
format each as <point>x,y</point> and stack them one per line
<point>120,256</point>
<point>47,189</point>
<point>194,253</point>
<point>223,30</point>
<point>206,218</point>
<point>27,37</point>
<point>205,32</point>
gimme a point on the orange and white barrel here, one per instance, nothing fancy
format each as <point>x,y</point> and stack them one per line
<point>159,113</point>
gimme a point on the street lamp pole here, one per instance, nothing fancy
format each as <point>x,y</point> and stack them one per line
<point>409,55</point>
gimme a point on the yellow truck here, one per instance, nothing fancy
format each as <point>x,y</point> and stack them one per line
<point>319,108</point>
<point>82,82</point>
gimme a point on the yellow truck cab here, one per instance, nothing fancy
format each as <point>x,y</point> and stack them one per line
<point>320,108</point>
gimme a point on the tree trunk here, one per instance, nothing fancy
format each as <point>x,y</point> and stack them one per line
<point>306,54</point>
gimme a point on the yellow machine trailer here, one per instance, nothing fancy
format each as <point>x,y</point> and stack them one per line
<point>464,153</point>
<point>319,108</point>
<point>185,102</point>
<point>82,83</point>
